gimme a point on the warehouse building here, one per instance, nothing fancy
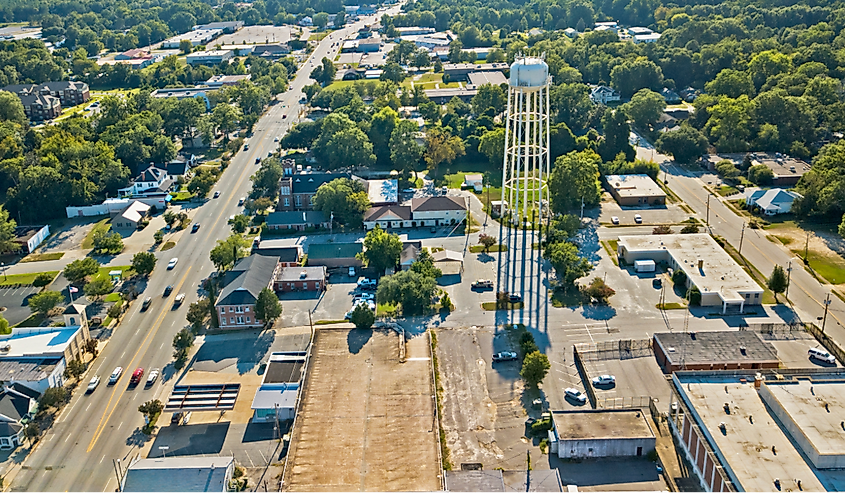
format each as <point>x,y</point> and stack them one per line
<point>721,281</point>
<point>716,350</point>
<point>635,190</point>
<point>765,430</point>
<point>600,433</point>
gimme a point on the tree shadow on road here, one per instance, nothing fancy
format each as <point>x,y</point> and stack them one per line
<point>598,312</point>
<point>138,438</point>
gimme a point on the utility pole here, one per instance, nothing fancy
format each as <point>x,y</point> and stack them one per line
<point>708,211</point>
<point>741,236</point>
<point>582,207</point>
<point>806,246</point>
<point>826,304</point>
<point>788,276</point>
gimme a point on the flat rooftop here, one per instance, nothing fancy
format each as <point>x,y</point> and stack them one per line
<point>745,447</point>
<point>284,371</point>
<point>719,272</point>
<point>601,424</point>
<point>804,402</point>
<point>490,77</point>
<point>178,474</point>
<point>715,347</point>
<point>38,342</point>
<point>634,185</point>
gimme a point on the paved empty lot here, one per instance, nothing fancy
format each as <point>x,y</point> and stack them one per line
<point>366,421</point>
<point>256,35</point>
<point>792,351</point>
<point>635,379</point>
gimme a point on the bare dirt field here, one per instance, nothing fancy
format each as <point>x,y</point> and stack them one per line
<point>367,420</point>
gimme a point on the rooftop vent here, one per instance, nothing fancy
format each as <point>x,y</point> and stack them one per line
<point>742,350</point>
<point>303,275</point>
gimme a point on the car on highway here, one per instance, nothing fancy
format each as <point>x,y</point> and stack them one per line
<point>604,380</point>
<point>246,147</point>
<point>241,200</point>
<point>115,375</point>
<point>137,375</point>
<point>614,220</point>
<point>482,284</point>
<point>146,303</point>
<point>216,194</point>
<point>258,160</point>
<point>168,290</point>
<point>504,356</point>
<point>284,117</point>
<point>638,218</point>
<point>276,139</point>
<point>575,395</point>
<point>151,378</point>
<point>179,299</point>
<point>195,227</point>
<point>93,384</point>
<point>172,263</point>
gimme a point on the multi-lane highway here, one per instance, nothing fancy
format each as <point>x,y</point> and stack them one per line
<point>76,453</point>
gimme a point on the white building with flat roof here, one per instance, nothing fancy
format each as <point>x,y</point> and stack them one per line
<point>196,37</point>
<point>707,266</point>
<point>210,57</point>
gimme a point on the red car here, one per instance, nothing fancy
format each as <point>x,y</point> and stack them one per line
<point>136,377</point>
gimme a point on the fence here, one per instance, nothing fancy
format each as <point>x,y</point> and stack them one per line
<point>779,331</point>
<point>825,340</point>
<point>621,349</point>
<point>639,402</point>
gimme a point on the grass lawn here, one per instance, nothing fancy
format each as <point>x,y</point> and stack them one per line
<point>182,196</point>
<point>102,225</point>
<point>12,279</point>
<point>386,309</point>
<point>329,322</point>
<point>611,251</point>
<point>571,297</point>
<point>167,246</point>
<point>112,298</point>
<point>40,257</point>
<point>318,36</point>
<point>494,248</point>
<point>104,271</point>
<point>670,306</point>
<point>726,190</point>
<point>830,268</point>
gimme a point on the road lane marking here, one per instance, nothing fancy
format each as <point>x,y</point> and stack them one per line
<point>106,413</point>
<point>68,438</point>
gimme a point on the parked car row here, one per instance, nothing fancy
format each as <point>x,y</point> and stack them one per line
<point>363,296</point>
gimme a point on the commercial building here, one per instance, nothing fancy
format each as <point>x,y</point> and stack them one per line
<point>228,27</point>
<point>535,480</point>
<point>415,30</point>
<point>296,191</point>
<point>185,92</point>
<point>773,201</point>
<point>297,220</point>
<point>298,278</point>
<point>210,57</point>
<point>478,79</point>
<point>459,71</point>
<point>188,474</point>
<point>787,170</point>
<point>196,37</point>
<point>380,192</point>
<point>277,395</point>
<point>43,102</point>
<point>288,252</point>
<point>335,254</point>
<point>419,212</point>
<point>632,190</point>
<point>271,51</point>
<point>115,206</point>
<point>713,350</point>
<point>646,38</point>
<point>241,287</point>
<point>226,80</point>
<point>706,264</point>
<point>450,263</point>
<point>29,237</point>
<point>763,430</point>
<point>443,96</point>
<point>600,433</point>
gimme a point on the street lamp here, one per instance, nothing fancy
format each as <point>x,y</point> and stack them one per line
<point>164,450</point>
<point>3,265</point>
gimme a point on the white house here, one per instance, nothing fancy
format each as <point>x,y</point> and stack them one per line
<point>773,201</point>
<point>151,178</point>
<point>419,212</point>
<point>306,21</point>
<point>604,94</point>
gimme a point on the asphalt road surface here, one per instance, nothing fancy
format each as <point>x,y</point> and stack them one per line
<point>76,453</point>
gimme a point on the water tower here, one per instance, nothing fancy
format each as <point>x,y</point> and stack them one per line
<point>526,163</point>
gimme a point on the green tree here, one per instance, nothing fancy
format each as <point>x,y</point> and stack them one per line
<point>185,46</point>
<point>90,347</point>
<point>412,290</point>
<point>685,145</point>
<point>535,367</point>
<point>31,431</point>
<point>777,281</point>
<point>11,109</point>
<point>228,251</point>
<point>566,262</point>
<point>75,368</point>
<point>99,288</point>
<point>267,307</point>
<point>7,229</point>
<point>226,118</point>
<point>442,147</point>
<point>381,250</point>
<point>729,123</point>
<point>45,301</point>
<point>571,104</point>
<point>726,169</point>
<point>425,265</point>
<point>492,145</point>
<point>405,152</point>
<point>381,130</point>
<point>151,409</point>
<point>239,223</point>
<point>362,316</point>
<point>325,72</point>
<point>4,326</point>
<point>392,72</point>
<point>486,241</point>
<point>760,174</point>
<point>842,227</point>
<point>54,397</point>
<point>634,74</point>
<point>344,198</point>
<point>321,20</point>
<point>183,341</point>
<point>143,263</point>
<point>689,229</point>
<point>730,83</point>
<point>694,295</point>
<point>265,181</point>
<point>198,312</point>
<point>489,96</point>
<point>202,182</point>
<point>645,108</point>
<point>575,177</point>
<point>599,290</point>
<point>616,134</point>
<point>76,271</point>
<point>105,243</point>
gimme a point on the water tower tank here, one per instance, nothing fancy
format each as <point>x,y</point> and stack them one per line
<point>529,72</point>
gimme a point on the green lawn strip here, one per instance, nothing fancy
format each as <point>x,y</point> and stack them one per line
<point>330,322</point>
<point>13,279</point>
<point>386,309</point>
<point>494,248</point>
<point>104,271</point>
<point>182,196</point>
<point>726,190</point>
<point>491,306</point>
<point>167,246</point>
<point>41,257</point>
<point>669,193</point>
<point>446,464</point>
<point>102,225</point>
<point>318,36</point>
<point>610,251</point>
<point>670,306</point>
<point>831,269</point>
<point>768,295</point>
<point>112,298</point>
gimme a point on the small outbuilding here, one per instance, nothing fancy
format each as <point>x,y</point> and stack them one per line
<point>601,433</point>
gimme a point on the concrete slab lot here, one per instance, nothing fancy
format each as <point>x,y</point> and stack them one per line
<point>636,378</point>
<point>366,420</point>
<point>255,35</point>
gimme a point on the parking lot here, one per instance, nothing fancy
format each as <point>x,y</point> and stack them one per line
<point>665,214</point>
<point>256,35</point>
<point>366,421</point>
<point>331,304</point>
<point>13,302</point>
<point>636,379</point>
<point>792,352</point>
<point>375,59</point>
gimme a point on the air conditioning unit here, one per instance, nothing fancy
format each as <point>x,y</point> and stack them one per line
<point>6,347</point>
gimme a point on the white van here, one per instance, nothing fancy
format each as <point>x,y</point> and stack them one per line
<point>821,355</point>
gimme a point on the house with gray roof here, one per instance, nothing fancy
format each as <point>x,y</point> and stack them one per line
<point>189,474</point>
<point>18,405</point>
<point>236,304</point>
<point>296,220</point>
<point>773,201</point>
<point>335,254</point>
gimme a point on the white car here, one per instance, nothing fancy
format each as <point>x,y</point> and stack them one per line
<point>93,383</point>
<point>352,272</point>
<point>172,263</point>
<point>505,356</point>
<point>638,218</point>
<point>151,378</point>
<point>614,220</point>
<point>604,380</point>
<point>364,296</point>
<point>366,283</point>
<point>115,375</point>
<point>821,355</point>
<point>241,200</point>
<point>576,395</point>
